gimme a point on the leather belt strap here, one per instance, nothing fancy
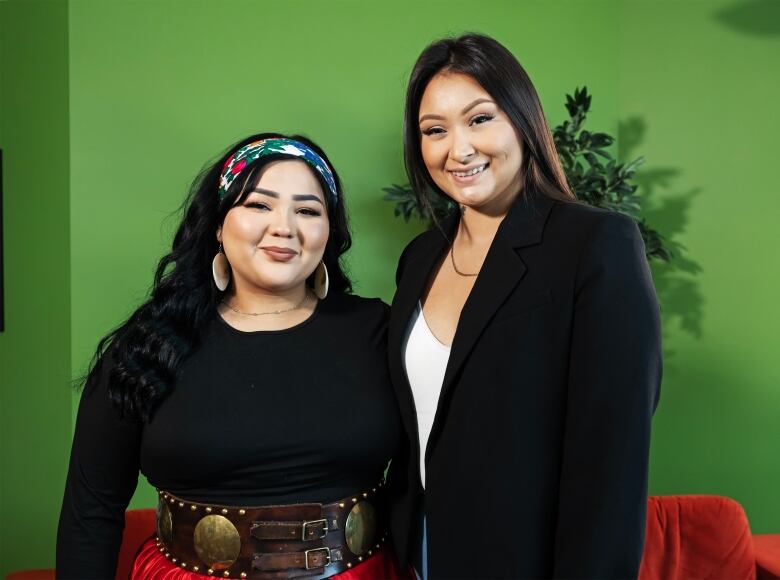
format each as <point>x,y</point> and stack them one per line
<point>313,558</point>
<point>313,530</point>
<point>308,541</point>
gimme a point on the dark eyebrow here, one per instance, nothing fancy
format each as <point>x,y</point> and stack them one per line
<point>465,110</point>
<point>296,197</point>
<point>307,197</point>
<point>267,192</point>
<point>474,103</point>
<point>429,116</point>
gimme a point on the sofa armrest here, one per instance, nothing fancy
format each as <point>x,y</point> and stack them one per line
<point>767,548</point>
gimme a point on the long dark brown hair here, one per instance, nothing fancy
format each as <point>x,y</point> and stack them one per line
<point>497,70</point>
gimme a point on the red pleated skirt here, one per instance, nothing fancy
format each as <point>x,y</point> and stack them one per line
<point>150,564</point>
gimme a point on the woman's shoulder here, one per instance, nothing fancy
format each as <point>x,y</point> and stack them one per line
<point>358,308</point>
<point>99,371</point>
<point>599,240</point>
<point>586,222</point>
<point>355,320</point>
<point>425,243</point>
<point>584,216</point>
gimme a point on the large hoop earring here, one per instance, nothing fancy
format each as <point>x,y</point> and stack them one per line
<point>220,269</point>
<point>321,281</point>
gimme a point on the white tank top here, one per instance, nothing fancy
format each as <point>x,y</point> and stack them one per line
<point>425,360</point>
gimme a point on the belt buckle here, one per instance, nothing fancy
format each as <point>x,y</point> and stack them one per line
<point>323,521</point>
<point>306,557</point>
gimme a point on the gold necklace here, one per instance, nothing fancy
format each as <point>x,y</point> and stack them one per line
<point>452,259</point>
<point>296,307</point>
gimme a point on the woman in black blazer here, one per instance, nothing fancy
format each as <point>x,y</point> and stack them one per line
<point>524,343</point>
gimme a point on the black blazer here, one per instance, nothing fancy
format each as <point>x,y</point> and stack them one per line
<point>536,466</point>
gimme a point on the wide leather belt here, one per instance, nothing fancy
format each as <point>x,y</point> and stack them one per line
<point>310,540</point>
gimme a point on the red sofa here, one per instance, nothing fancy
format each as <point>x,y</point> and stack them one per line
<point>705,537</point>
<point>689,537</point>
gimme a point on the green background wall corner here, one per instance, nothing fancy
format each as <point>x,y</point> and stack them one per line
<point>35,423</point>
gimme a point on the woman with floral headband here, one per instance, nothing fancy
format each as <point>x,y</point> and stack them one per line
<point>251,390</point>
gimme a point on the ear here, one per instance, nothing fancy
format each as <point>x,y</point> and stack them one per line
<point>219,234</point>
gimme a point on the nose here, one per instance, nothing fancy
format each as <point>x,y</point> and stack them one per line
<point>461,149</point>
<point>283,226</point>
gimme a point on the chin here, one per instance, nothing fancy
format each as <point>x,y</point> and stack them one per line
<point>472,199</point>
<point>275,285</point>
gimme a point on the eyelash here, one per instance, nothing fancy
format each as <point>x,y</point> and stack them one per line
<point>307,211</point>
<point>310,212</point>
<point>477,119</point>
<point>487,117</point>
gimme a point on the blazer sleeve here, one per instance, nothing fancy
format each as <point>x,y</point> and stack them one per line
<point>102,477</point>
<point>613,388</point>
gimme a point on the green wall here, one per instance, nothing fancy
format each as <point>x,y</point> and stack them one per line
<point>698,94</point>
<point>158,88</point>
<point>35,400</point>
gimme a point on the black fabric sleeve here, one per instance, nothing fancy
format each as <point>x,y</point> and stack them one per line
<point>102,477</point>
<point>613,388</point>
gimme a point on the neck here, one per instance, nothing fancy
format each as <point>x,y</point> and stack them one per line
<point>477,228</point>
<point>478,225</point>
<point>249,298</point>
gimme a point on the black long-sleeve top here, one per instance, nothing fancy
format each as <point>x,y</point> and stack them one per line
<point>255,418</point>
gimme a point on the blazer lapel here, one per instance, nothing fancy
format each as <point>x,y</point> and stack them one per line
<point>501,272</point>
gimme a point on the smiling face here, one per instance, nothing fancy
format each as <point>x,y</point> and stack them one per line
<point>469,145</point>
<point>276,237</point>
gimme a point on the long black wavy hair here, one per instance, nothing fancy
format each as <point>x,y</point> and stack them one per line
<point>146,350</point>
<point>496,69</point>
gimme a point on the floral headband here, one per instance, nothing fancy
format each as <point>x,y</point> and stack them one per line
<point>253,151</point>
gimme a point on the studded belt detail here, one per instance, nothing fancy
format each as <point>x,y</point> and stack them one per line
<point>308,541</point>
